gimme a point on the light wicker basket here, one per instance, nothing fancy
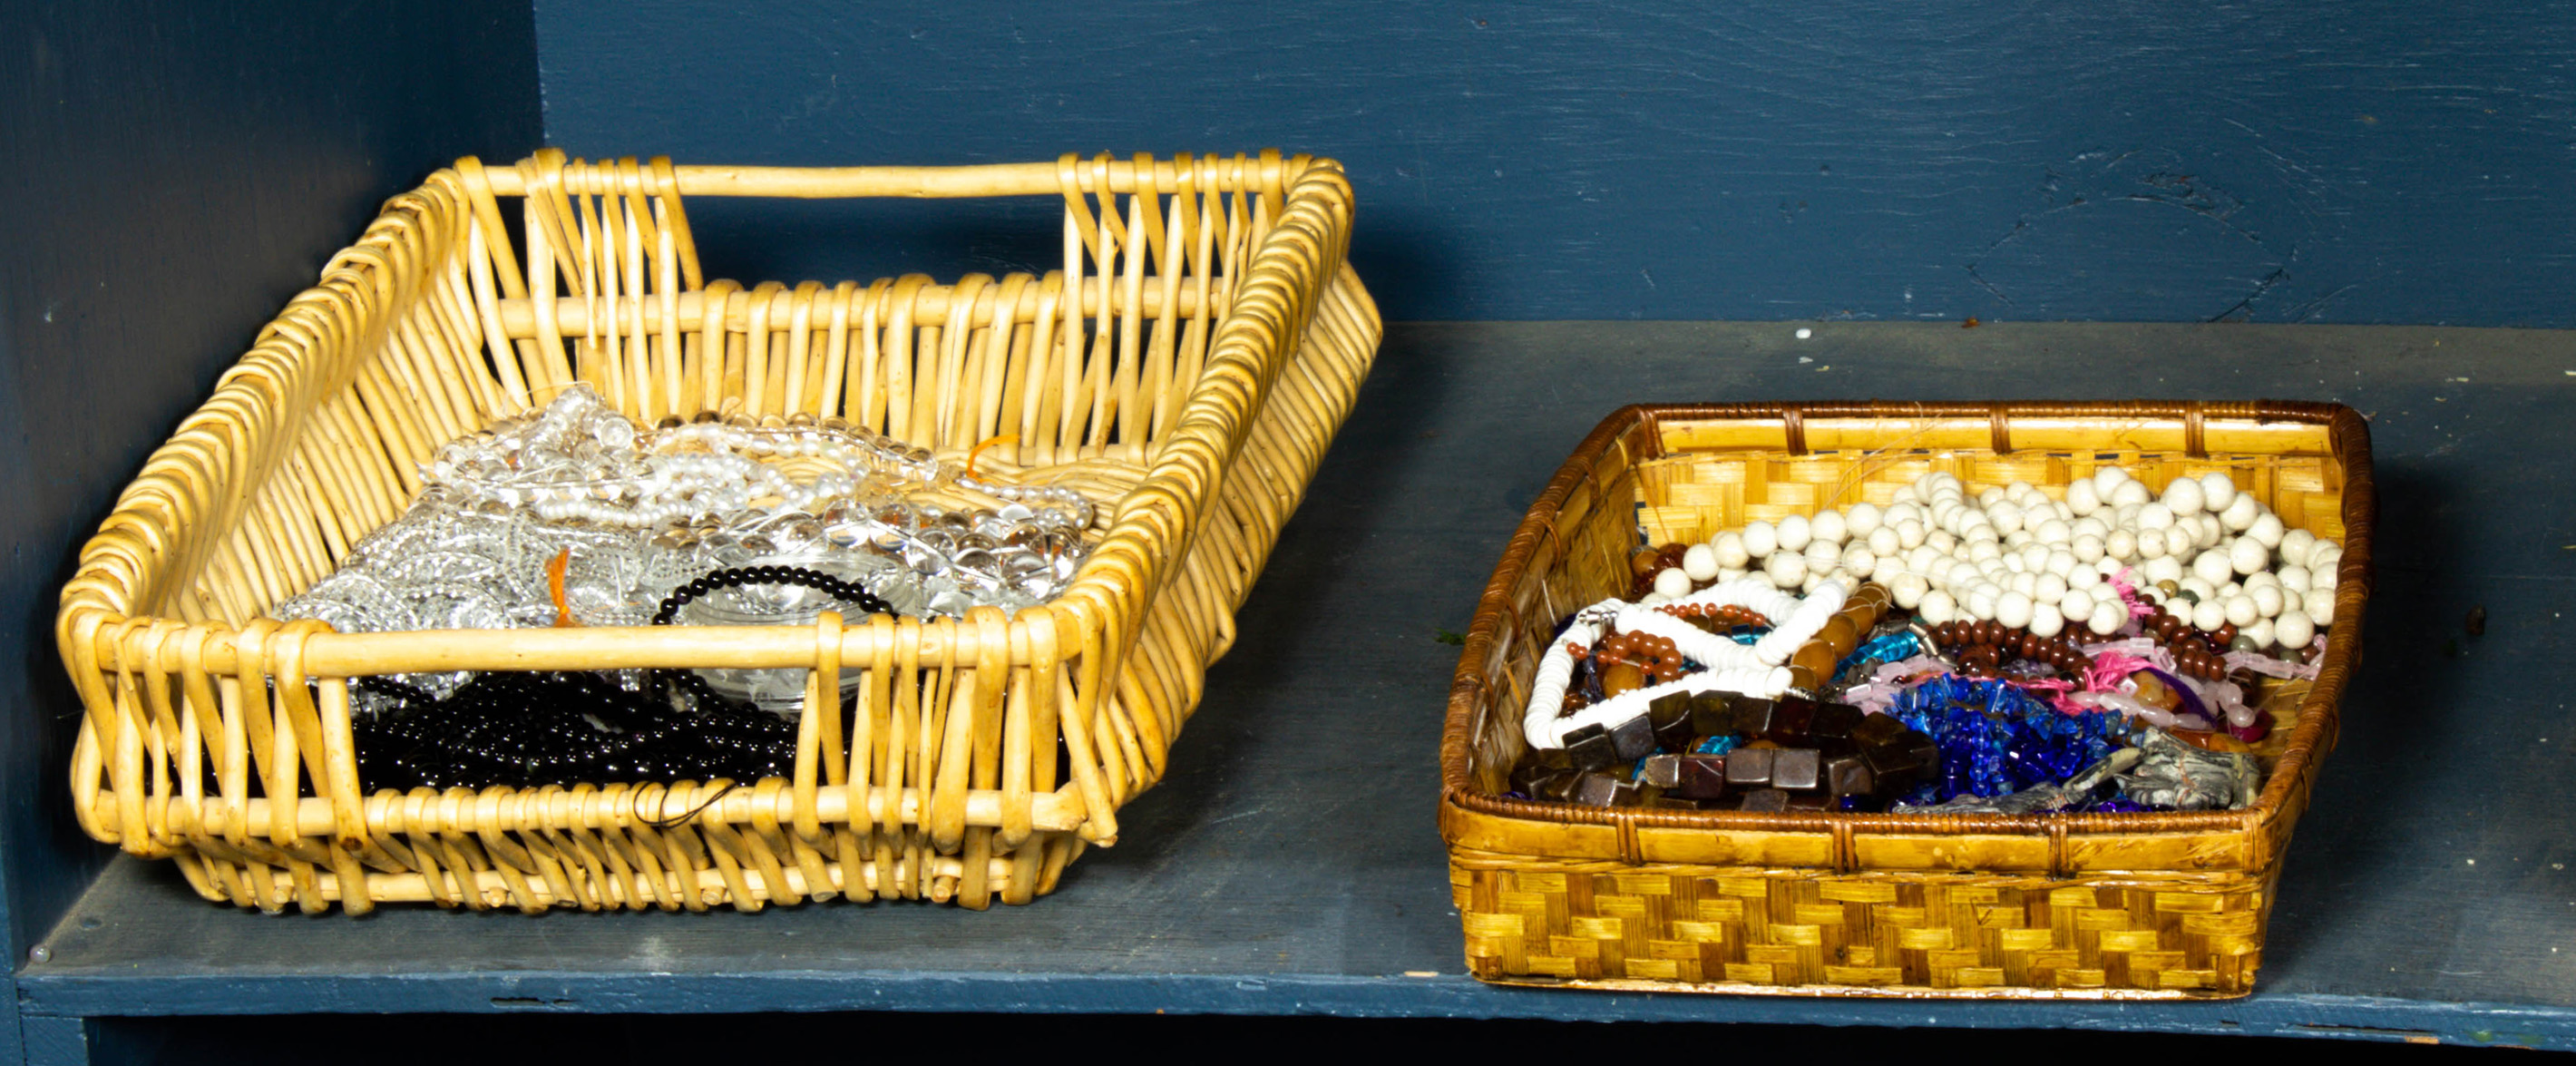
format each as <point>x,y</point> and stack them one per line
<point>2103,906</point>
<point>1186,369</point>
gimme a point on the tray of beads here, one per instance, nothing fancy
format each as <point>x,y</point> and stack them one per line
<point>520,565</point>
<point>1907,699</point>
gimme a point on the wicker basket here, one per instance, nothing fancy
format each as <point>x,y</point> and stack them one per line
<point>2103,906</point>
<point>1186,369</point>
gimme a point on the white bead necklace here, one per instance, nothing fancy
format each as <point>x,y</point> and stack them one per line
<point>2015,556</point>
<point>1754,671</point>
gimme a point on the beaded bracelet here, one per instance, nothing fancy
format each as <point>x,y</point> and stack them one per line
<point>734,577</point>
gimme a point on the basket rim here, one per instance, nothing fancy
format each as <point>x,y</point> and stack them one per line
<point>2348,444</point>
<point>1313,196</point>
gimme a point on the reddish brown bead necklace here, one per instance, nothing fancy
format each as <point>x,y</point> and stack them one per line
<point>1718,615</point>
<point>1981,648</point>
<point>2194,652</point>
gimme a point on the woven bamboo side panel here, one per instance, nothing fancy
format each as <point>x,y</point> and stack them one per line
<point>1186,369</point>
<point>1891,904</point>
<point>1785,930</point>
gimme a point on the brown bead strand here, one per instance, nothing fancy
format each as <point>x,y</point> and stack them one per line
<point>2195,652</point>
<point>1722,616</point>
<point>1658,657</point>
<point>1983,648</point>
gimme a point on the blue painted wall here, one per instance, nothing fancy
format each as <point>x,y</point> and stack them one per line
<point>170,174</point>
<point>2272,161</point>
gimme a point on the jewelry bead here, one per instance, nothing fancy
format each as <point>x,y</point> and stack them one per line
<point>2183,496</point>
<point>1672,582</point>
<point>2075,605</point>
<point>1860,561</point>
<point>2295,546</point>
<point>1700,563</point>
<point>2083,496</point>
<point>1760,540</point>
<point>1830,527</point>
<point>1786,569</point>
<point>2213,567</point>
<point>1794,532</point>
<point>2013,609</point>
<point>1864,519</point>
<point>2320,607</point>
<point>2107,618</point>
<point>2241,513</point>
<point>2294,630</point>
<point>2208,614</point>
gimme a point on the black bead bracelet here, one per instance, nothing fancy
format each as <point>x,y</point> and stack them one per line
<point>735,577</point>
<point>659,681</point>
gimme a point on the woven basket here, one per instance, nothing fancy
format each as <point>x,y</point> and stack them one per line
<point>1186,370</point>
<point>2100,906</point>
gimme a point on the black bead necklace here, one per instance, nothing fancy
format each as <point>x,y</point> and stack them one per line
<point>530,729</point>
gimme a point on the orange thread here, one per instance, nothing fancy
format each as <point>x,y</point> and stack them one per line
<point>555,569</point>
<point>978,450</point>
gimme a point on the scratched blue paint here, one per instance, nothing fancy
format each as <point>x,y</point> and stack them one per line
<point>1446,996</point>
<point>2269,161</point>
<point>170,175</point>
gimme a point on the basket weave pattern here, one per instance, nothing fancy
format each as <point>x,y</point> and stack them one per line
<point>2090,905</point>
<point>1186,370</point>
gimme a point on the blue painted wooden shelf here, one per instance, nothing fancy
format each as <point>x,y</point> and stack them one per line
<point>1290,863</point>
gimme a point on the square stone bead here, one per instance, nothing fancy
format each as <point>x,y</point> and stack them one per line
<point>1810,801</point>
<point>1791,717</point>
<point>1848,775</point>
<point>1796,769</point>
<point>1660,771</point>
<point>1590,748</point>
<point>1765,800</point>
<point>1633,739</point>
<point>1877,729</point>
<point>1603,790</point>
<point>1551,758</point>
<point>1559,787</point>
<point>1749,767</point>
<point>1904,762</point>
<point>1676,803</point>
<point>1753,717</point>
<point>1713,714</point>
<point>1833,726</point>
<point>1670,716</point>
<point>1700,776</point>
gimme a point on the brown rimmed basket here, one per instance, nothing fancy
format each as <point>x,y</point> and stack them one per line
<point>1185,369</point>
<point>2096,906</point>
